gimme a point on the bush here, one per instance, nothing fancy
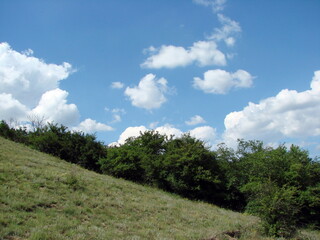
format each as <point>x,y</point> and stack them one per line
<point>277,207</point>
<point>183,165</point>
<point>18,135</point>
<point>191,170</point>
<point>139,159</point>
<point>75,147</point>
<point>124,163</point>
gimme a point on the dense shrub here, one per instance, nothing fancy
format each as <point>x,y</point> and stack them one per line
<point>182,165</point>
<point>280,185</point>
<point>139,159</point>
<point>278,208</point>
<point>75,147</point>
<point>124,163</point>
<point>190,169</point>
<point>15,134</point>
<point>57,140</point>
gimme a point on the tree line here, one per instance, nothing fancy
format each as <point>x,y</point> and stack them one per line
<point>279,184</point>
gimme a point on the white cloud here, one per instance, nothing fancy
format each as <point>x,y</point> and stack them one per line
<point>289,114</point>
<point>11,108</point>
<point>92,126</point>
<point>116,114</point>
<point>116,118</point>
<point>195,120</point>
<point>205,133</point>
<point>169,131</point>
<point>117,85</point>
<point>216,5</point>
<point>131,132</point>
<point>26,78</point>
<point>203,53</point>
<point>30,87</point>
<point>26,81</point>
<point>168,57</point>
<point>53,106</point>
<point>229,27</point>
<point>227,31</point>
<point>220,81</point>
<point>149,94</point>
<point>315,83</point>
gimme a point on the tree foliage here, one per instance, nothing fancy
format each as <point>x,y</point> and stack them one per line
<point>182,165</point>
<point>74,147</point>
<point>281,184</point>
<point>190,169</point>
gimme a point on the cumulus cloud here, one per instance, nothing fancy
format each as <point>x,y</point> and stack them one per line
<point>203,53</point>
<point>289,114</point>
<point>204,133</point>
<point>150,92</point>
<point>117,85</point>
<point>131,132</point>
<point>195,120</point>
<point>92,126</point>
<point>136,131</point>
<point>30,87</point>
<point>26,77</point>
<point>216,5</point>
<point>220,81</point>
<point>53,106</point>
<point>27,82</point>
<point>11,108</point>
<point>169,130</point>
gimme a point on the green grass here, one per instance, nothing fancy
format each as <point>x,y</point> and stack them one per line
<point>42,197</point>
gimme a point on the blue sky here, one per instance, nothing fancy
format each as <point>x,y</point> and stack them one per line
<point>219,69</point>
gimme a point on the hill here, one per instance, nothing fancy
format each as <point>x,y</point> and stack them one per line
<point>43,197</point>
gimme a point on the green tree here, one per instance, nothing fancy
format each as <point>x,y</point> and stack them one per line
<point>138,159</point>
<point>190,169</point>
<point>76,147</point>
<point>294,179</point>
<point>122,162</point>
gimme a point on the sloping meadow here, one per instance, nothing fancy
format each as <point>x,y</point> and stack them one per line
<point>43,197</point>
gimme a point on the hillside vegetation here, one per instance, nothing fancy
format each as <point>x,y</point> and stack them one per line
<point>280,185</point>
<point>43,197</point>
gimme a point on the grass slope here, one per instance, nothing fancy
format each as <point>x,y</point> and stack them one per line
<point>42,197</point>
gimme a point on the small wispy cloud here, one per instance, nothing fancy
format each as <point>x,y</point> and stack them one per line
<point>227,31</point>
<point>216,5</point>
<point>116,114</point>
<point>195,120</point>
<point>117,85</point>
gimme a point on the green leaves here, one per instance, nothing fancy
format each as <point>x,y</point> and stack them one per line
<point>278,184</point>
<point>182,165</point>
<point>277,207</point>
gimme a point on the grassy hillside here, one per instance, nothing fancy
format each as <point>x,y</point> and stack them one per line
<point>42,197</point>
